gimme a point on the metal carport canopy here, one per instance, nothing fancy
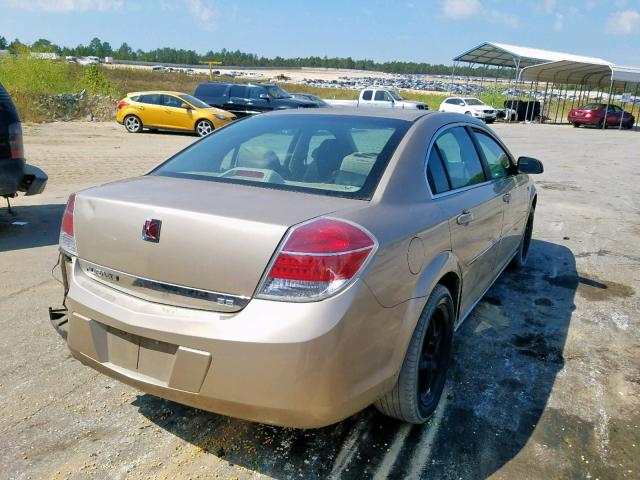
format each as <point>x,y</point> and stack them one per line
<point>502,54</point>
<point>600,74</point>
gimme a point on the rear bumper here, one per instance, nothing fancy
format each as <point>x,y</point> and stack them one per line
<point>11,175</point>
<point>582,120</point>
<point>303,365</point>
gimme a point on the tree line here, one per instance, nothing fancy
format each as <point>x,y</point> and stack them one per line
<point>99,48</point>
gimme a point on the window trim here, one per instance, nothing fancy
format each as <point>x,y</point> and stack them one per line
<point>483,158</point>
<point>444,168</point>
<point>432,142</point>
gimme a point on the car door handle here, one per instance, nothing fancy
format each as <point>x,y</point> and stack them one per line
<point>465,217</point>
<point>506,198</point>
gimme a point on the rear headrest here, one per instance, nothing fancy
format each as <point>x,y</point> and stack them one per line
<point>355,168</point>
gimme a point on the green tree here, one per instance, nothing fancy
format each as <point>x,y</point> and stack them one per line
<point>3,43</point>
<point>124,52</point>
<point>44,45</point>
<point>17,47</point>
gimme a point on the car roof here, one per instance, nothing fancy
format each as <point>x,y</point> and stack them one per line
<point>407,114</point>
<point>153,92</point>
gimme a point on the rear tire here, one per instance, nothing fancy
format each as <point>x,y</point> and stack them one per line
<point>204,128</point>
<point>132,123</point>
<point>520,260</point>
<point>419,386</point>
<point>627,126</point>
<point>575,124</point>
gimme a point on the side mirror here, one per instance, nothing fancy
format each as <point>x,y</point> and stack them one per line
<point>264,96</point>
<point>186,106</point>
<point>530,165</point>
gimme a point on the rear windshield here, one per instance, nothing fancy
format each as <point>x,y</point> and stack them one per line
<point>326,154</point>
<point>193,101</point>
<point>211,89</point>
<point>592,106</point>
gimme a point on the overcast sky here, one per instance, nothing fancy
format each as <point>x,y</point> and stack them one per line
<point>431,31</point>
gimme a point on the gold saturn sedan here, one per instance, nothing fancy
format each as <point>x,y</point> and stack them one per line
<point>297,266</point>
<point>169,111</point>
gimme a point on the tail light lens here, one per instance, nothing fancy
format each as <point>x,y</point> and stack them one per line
<point>67,234</point>
<point>15,140</point>
<point>316,260</point>
<point>122,103</point>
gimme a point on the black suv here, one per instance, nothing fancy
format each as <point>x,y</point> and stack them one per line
<point>248,99</point>
<point>15,174</point>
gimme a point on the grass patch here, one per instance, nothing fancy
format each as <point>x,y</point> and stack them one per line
<point>29,80</point>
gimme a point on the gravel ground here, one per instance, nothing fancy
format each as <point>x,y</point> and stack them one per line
<point>545,382</point>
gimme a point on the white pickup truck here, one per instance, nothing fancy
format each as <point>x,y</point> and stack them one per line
<point>379,97</point>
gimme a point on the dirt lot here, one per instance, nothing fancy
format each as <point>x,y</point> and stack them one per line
<point>545,382</point>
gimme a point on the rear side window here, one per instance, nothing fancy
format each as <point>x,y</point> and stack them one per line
<point>497,158</point>
<point>211,89</point>
<point>367,94</point>
<point>255,92</point>
<point>460,158</point>
<point>151,98</point>
<point>337,155</point>
<point>436,175</point>
<point>238,91</point>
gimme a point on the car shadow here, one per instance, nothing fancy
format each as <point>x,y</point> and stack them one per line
<point>507,356</point>
<point>30,226</point>
<point>176,133</point>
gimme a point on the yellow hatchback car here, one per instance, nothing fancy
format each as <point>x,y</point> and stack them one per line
<point>169,111</point>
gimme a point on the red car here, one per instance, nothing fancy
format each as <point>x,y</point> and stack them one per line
<point>593,114</point>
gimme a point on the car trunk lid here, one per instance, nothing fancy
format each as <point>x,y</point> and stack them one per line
<point>214,237</point>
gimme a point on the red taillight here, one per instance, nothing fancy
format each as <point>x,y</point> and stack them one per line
<point>122,103</point>
<point>67,233</point>
<point>15,140</point>
<point>318,259</point>
<point>327,236</point>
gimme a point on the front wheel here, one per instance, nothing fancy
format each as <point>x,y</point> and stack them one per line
<point>133,124</point>
<point>575,124</point>
<point>418,389</point>
<point>467,113</point>
<point>204,128</point>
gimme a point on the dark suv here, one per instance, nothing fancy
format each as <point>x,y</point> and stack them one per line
<point>248,99</point>
<point>15,175</point>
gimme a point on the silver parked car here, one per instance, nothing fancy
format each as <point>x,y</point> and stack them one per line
<point>296,267</point>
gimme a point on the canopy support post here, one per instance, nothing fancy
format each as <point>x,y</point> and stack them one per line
<point>544,104</point>
<point>555,118</point>
<point>624,88</point>
<point>606,110</point>
<point>635,97</point>
<point>564,102</point>
<point>526,113</point>
<point>495,86</point>
<point>573,101</point>
<point>453,72</point>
